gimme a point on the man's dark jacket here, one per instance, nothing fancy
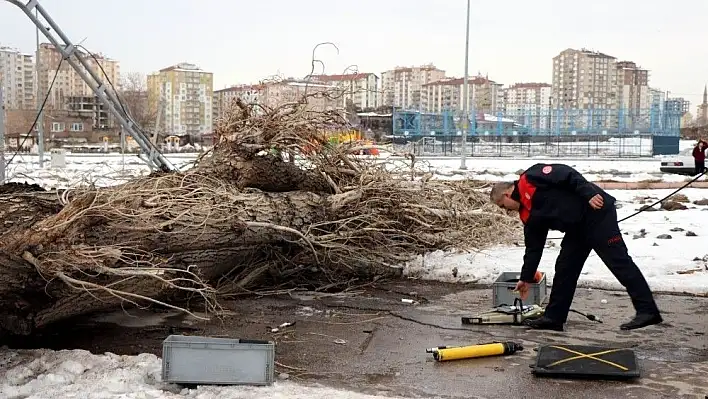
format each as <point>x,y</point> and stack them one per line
<point>552,197</point>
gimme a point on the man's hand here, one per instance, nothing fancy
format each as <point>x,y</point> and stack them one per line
<point>597,202</point>
<point>523,288</point>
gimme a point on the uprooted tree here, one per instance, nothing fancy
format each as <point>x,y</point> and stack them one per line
<point>244,218</point>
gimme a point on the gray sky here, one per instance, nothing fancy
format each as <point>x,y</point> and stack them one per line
<point>513,41</point>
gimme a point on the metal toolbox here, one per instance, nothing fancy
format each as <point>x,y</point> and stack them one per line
<point>502,290</point>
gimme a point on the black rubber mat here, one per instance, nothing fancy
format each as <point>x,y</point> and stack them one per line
<point>586,362</point>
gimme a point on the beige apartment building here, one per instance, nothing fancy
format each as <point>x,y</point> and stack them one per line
<point>250,94</point>
<point>402,87</point>
<point>529,104</point>
<point>70,92</point>
<point>446,95</point>
<point>589,80</point>
<point>360,88</point>
<point>584,79</point>
<point>17,76</point>
<point>182,95</point>
<point>321,96</point>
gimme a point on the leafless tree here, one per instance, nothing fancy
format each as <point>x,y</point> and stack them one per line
<point>133,94</point>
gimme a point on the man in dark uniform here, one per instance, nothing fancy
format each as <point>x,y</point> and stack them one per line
<point>557,197</point>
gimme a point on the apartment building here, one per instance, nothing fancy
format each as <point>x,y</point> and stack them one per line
<point>70,92</point>
<point>529,104</point>
<point>250,94</point>
<point>17,76</point>
<point>584,79</point>
<point>185,93</point>
<point>484,95</point>
<point>359,88</point>
<point>634,97</point>
<point>321,96</point>
<point>402,87</point>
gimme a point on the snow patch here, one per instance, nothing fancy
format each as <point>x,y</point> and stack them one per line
<point>46,374</point>
<point>673,265</point>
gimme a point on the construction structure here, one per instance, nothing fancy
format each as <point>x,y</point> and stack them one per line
<point>649,132</point>
<point>105,93</point>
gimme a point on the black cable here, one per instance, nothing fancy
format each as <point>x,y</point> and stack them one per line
<point>646,207</point>
<point>108,79</point>
<point>41,108</point>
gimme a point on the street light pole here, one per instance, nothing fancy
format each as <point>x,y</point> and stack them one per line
<point>40,121</point>
<point>465,95</point>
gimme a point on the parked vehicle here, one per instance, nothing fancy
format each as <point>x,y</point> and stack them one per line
<point>680,164</point>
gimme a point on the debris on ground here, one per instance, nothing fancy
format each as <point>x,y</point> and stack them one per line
<point>672,206</point>
<point>679,198</point>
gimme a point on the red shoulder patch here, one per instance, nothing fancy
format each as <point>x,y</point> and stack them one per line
<point>547,169</point>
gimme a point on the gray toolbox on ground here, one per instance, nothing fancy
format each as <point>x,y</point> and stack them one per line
<point>217,361</point>
<point>504,285</point>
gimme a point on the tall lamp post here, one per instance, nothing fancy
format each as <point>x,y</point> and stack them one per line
<point>40,121</point>
<point>465,95</point>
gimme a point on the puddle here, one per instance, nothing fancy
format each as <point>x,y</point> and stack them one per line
<point>134,318</point>
<point>673,355</point>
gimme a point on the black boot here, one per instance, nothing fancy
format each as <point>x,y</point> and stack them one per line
<point>642,320</point>
<point>543,323</point>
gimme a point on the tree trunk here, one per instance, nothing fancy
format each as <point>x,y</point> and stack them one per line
<point>53,262</point>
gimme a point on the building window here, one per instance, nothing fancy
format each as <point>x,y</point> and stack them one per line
<point>77,127</point>
<point>57,127</point>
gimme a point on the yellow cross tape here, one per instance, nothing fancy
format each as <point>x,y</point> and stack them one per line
<point>588,356</point>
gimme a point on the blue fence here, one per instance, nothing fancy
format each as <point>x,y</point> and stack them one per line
<point>555,122</point>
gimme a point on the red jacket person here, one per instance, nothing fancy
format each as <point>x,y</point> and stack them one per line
<point>557,197</point>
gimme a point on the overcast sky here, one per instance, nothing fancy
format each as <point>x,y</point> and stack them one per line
<point>512,41</point>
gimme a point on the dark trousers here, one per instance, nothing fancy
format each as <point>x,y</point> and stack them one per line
<point>700,167</point>
<point>599,232</point>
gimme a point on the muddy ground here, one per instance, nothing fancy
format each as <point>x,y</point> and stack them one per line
<point>371,341</point>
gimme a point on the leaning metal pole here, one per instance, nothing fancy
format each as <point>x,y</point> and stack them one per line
<point>104,93</point>
<point>465,95</point>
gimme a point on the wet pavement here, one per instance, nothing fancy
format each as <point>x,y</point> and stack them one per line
<point>373,342</point>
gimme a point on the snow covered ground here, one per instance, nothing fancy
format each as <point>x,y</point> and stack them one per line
<point>112,168</point>
<point>47,374</point>
<point>679,264</point>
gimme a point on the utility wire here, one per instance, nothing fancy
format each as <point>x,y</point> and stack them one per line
<point>41,108</point>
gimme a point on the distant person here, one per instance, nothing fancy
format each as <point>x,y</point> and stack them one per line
<point>557,197</point>
<point>699,157</point>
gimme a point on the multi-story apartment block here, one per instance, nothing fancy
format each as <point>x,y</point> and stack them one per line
<point>634,97</point>
<point>70,91</point>
<point>321,96</point>
<point>17,76</point>
<point>359,88</point>
<point>584,79</point>
<point>185,94</point>
<point>250,94</point>
<point>529,104</point>
<point>402,87</point>
<point>484,95</point>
